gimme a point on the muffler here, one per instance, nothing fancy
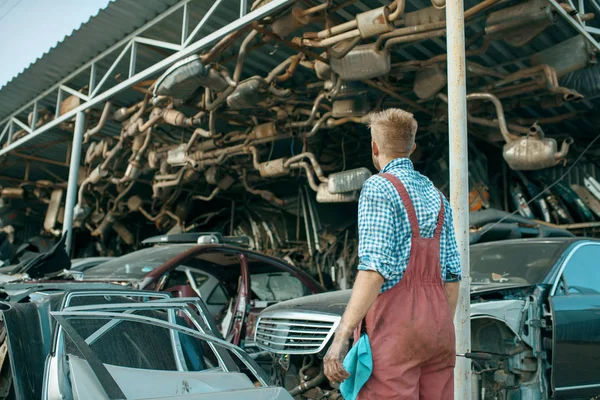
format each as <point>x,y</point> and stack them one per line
<point>362,62</point>
<point>185,77</point>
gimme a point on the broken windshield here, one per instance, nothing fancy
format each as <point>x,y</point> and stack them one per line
<point>134,266</point>
<point>514,263</point>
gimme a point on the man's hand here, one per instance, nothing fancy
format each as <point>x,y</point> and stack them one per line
<point>366,289</point>
<point>334,359</point>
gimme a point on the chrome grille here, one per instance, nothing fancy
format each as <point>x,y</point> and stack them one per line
<point>286,332</point>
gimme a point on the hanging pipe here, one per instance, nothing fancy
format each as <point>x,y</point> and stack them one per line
<point>508,136</point>
<point>415,38</point>
<point>265,194</point>
<point>133,168</point>
<point>551,81</point>
<point>101,123</point>
<point>212,195</point>
<point>95,176</point>
<point>443,57</point>
<point>434,25</point>
<point>313,113</point>
<point>397,9</point>
<point>316,9</point>
<point>237,74</point>
<point>169,183</point>
<point>292,62</point>
<point>121,195</point>
<point>313,160</point>
<point>223,44</point>
<point>309,174</point>
<point>318,125</point>
<point>199,132</point>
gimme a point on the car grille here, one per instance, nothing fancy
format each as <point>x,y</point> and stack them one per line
<point>294,332</point>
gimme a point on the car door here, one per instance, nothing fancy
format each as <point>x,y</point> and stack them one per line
<point>209,289</point>
<point>575,304</point>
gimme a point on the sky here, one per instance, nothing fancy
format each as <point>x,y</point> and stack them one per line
<point>29,28</point>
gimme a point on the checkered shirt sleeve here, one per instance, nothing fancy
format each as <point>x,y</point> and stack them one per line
<point>385,232</point>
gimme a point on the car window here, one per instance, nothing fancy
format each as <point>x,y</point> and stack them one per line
<point>199,278</point>
<point>177,278</point>
<point>135,345</point>
<point>134,266</point>
<point>512,263</point>
<point>582,272</point>
<point>218,297</point>
<point>277,286</point>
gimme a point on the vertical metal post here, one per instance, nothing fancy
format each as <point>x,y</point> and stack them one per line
<point>92,85</point>
<point>132,58</point>
<point>185,23</point>
<point>34,116</point>
<point>73,177</point>
<point>58,103</point>
<point>459,182</point>
<point>11,131</point>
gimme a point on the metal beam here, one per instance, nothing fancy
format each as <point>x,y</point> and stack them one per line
<point>39,159</point>
<point>74,92</point>
<point>112,68</point>
<point>185,24</point>
<point>73,176</point>
<point>578,27</point>
<point>459,185</point>
<point>148,72</point>
<point>205,18</point>
<point>159,43</point>
<point>22,125</point>
<point>34,116</point>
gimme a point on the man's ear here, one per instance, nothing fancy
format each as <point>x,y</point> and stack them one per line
<point>375,148</point>
<point>414,148</point>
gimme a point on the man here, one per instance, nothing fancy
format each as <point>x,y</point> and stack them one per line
<point>407,285</point>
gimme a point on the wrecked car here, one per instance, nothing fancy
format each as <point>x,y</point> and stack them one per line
<point>118,344</point>
<point>236,283</point>
<point>534,315</point>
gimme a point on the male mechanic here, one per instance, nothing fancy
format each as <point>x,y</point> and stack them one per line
<point>406,289</point>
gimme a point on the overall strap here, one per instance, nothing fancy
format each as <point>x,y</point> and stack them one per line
<point>440,221</point>
<point>408,204</point>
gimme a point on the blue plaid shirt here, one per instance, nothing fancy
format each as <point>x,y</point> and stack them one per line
<point>384,230</point>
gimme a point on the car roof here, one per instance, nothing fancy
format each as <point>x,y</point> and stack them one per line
<point>90,259</point>
<point>561,241</point>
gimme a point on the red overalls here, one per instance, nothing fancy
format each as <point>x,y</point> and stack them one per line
<point>410,326</point>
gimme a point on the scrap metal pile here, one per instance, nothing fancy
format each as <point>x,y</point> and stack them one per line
<point>206,133</point>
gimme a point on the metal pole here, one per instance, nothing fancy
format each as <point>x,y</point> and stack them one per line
<point>73,176</point>
<point>459,184</point>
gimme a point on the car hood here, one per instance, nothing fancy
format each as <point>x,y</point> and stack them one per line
<point>335,302</point>
<point>506,303</point>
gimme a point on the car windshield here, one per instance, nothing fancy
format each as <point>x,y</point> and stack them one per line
<point>136,265</point>
<point>514,263</point>
<point>277,286</point>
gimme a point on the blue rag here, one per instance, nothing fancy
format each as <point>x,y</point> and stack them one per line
<point>359,364</point>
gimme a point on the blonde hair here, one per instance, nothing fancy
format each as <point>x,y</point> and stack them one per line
<point>394,131</point>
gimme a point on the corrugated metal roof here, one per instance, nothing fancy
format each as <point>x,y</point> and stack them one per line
<point>122,17</point>
<point>118,19</point>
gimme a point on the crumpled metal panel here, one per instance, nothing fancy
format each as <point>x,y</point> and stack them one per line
<point>27,348</point>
